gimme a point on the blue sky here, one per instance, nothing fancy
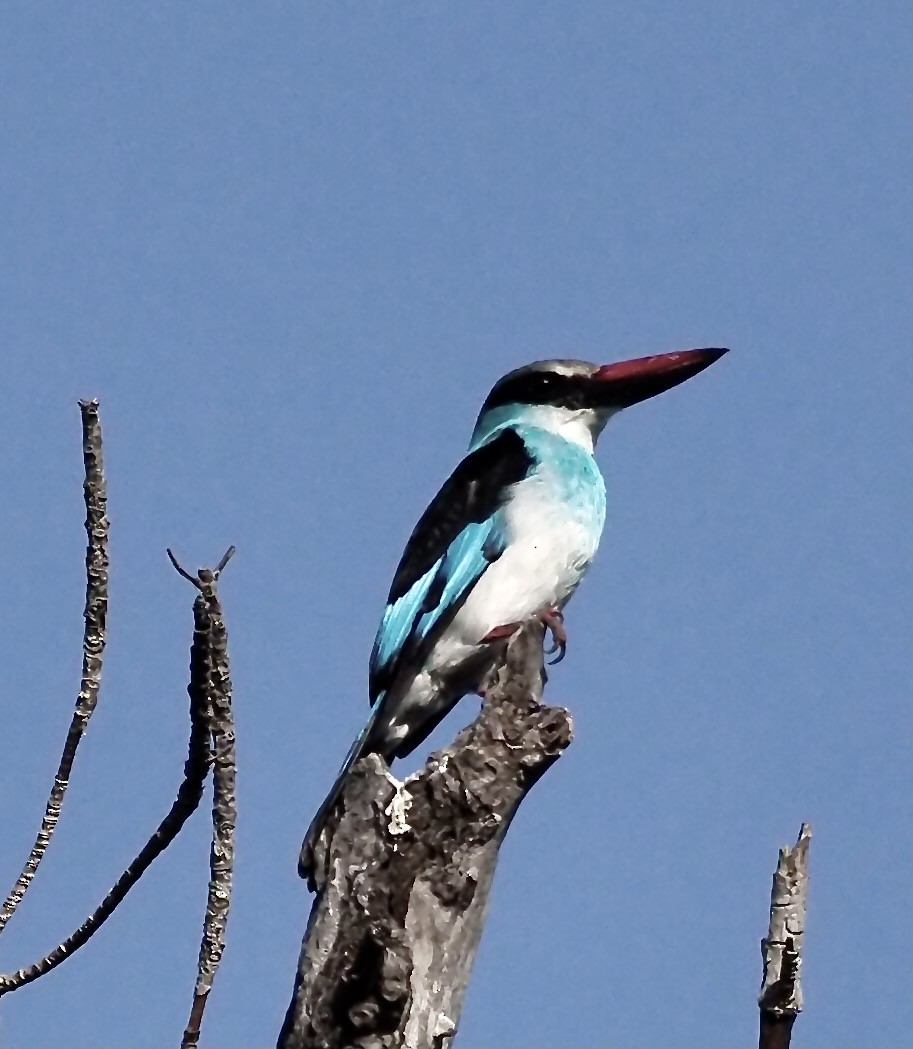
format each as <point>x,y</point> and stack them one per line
<point>290,247</point>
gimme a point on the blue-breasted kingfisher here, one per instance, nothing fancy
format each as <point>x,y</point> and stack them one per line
<point>508,537</point>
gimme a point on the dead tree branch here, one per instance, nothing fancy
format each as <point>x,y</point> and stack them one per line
<point>212,743</point>
<point>221,732</point>
<point>188,798</point>
<point>93,645</point>
<point>404,873</point>
<point>780,998</point>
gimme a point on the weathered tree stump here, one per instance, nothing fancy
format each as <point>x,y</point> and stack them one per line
<point>780,999</point>
<point>404,872</point>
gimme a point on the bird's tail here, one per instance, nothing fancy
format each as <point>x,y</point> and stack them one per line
<point>358,750</point>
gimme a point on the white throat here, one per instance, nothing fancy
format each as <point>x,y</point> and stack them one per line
<point>571,424</point>
<point>580,426</point>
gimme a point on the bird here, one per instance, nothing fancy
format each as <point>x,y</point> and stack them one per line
<point>509,536</point>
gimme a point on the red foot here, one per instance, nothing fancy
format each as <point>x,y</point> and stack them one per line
<point>553,618</point>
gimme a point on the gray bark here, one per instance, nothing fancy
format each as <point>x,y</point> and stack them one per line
<point>95,615</point>
<point>404,872</point>
<point>780,999</point>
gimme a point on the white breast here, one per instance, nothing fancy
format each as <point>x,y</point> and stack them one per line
<point>548,551</point>
<point>553,524</point>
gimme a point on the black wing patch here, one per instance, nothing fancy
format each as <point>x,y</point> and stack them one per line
<point>470,495</point>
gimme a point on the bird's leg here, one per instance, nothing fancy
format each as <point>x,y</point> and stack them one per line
<point>553,618</point>
<point>501,633</point>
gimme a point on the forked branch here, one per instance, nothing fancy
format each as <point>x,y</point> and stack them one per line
<point>220,721</point>
<point>205,652</point>
<point>211,743</point>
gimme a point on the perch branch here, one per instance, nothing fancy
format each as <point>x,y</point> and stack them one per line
<point>780,998</point>
<point>93,645</point>
<point>224,809</point>
<point>403,873</point>
<point>188,798</point>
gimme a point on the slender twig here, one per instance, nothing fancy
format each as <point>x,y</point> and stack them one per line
<point>93,645</point>
<point>226,557</point>
<point>181,571</point>
<point>190,792</point>
<point>780,999</point>
<point>224,810</point>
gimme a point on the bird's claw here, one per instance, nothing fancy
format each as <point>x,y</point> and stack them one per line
<point>553,618</point>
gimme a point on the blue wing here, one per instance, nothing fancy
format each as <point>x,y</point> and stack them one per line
<point>458,537</point>
<point>410,621</point>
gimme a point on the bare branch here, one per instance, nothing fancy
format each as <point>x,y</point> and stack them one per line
<point>93,645</point>
<point>188,799</point>
<point>224,808</point>
<point>181,571</point>
<point>226,557</point>
<point>780,998</point>
<point>404,872</point>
